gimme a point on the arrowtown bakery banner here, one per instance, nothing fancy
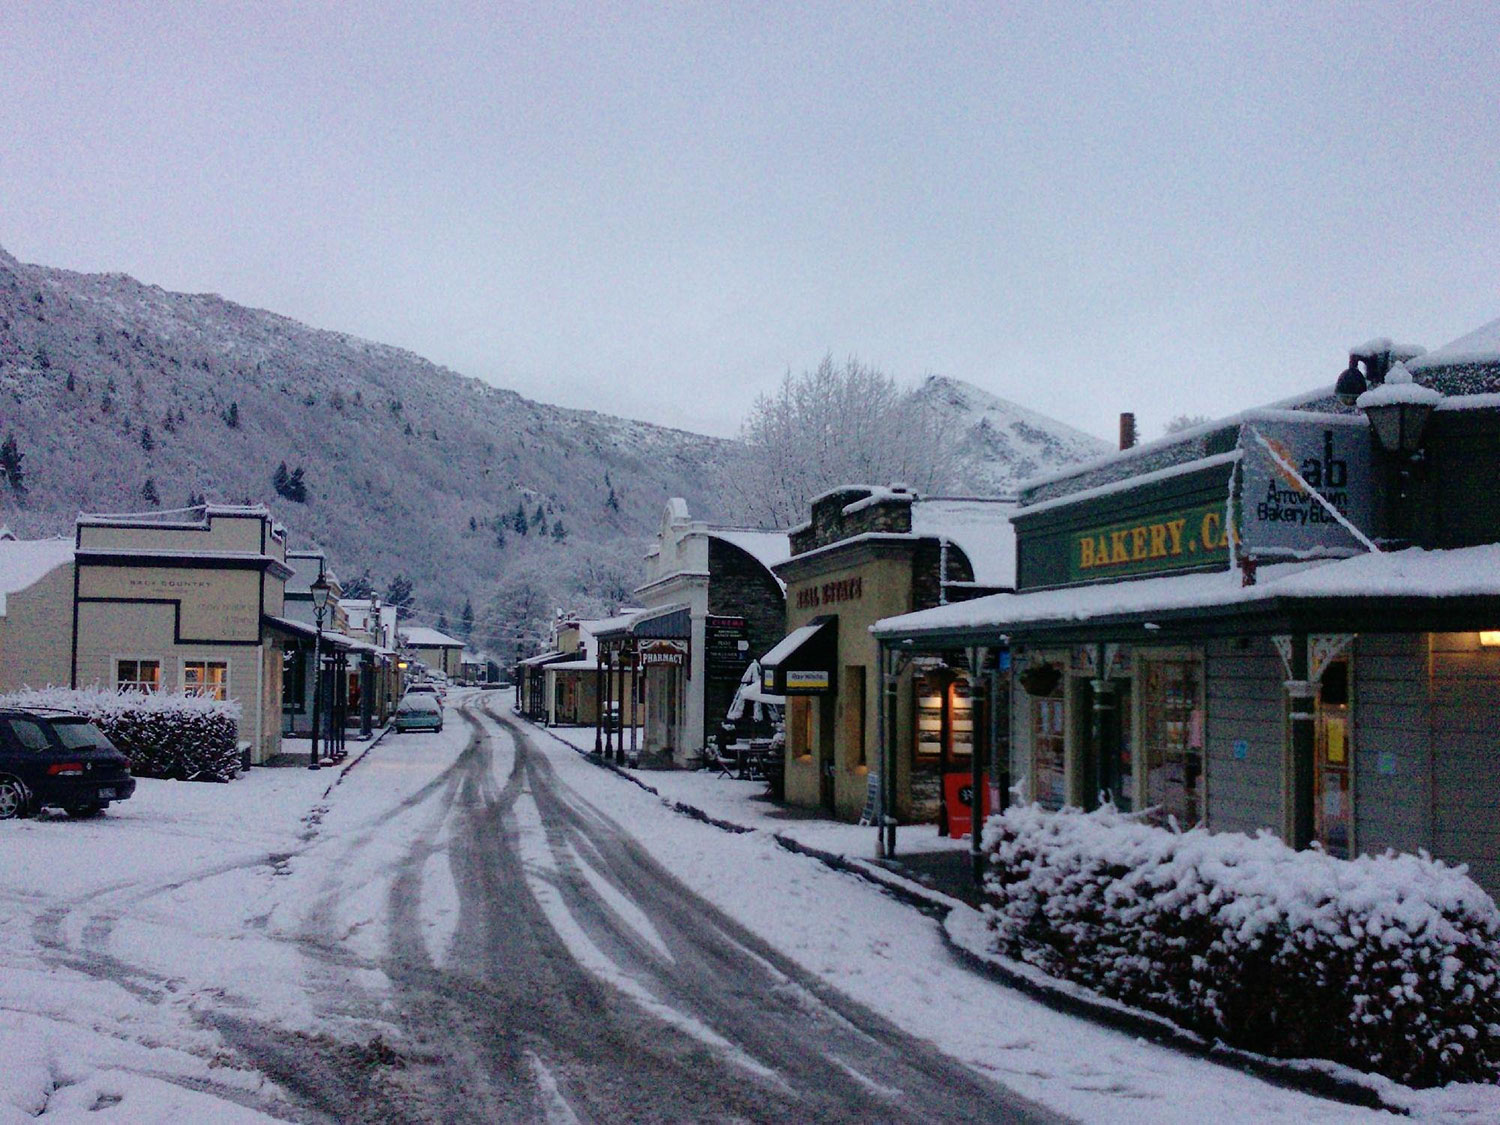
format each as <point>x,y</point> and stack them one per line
<point>1277,515</point>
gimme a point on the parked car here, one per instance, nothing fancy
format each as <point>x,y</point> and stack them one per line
<point>58,760</point>
<point>420,711</point>
<point>428,687</point>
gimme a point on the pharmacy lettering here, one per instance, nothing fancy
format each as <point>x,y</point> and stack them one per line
<point>1190,537</point>
<point>1280,517</point>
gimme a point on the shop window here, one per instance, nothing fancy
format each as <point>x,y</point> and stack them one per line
<point>209,678</point>
<point>1333,775</point>
<point>293,681</point>
<point>960,718</point>
<point>852,694</point>
<point>799,709</point>
<point>138,675</point>
<point>1172,739</point>
<point>929,746</point>
<point>1049,748</point>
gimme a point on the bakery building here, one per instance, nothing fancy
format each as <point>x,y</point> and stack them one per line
<point>866,554</point>
<point>183,601</point>
<point>1286,620</point>
<point>711,602</point>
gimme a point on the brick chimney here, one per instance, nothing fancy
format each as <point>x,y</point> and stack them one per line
<point>1127,430</point>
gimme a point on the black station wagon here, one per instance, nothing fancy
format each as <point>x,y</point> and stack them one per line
<point>52,758</point>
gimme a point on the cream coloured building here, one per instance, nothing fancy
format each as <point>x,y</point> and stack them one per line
<point>36,612</point>
<point>180,601</point>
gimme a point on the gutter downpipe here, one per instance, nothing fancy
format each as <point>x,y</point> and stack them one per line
<point>977,655</point>
<point>880,663</point>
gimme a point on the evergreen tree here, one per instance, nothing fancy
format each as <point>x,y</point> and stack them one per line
<point>149,493</point>
<point>399,593</point>
<point>442,622</point>
<point>43,360</point>
<point>10,465</point>
<point>148,442</point>
<point>361,587</point>
<point>289,484</point>
<point>559,533</point>
<point>72,381</point>
<point>519,520</point>
<point>466,621</point>
<point>169,423</point>
<point>473,524</point>
<point>613,503</point>
<point>279,479</point>
<point>232,416</point>
<point>500,535</point>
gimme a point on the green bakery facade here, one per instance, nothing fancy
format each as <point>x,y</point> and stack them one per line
<point>1287,620</point>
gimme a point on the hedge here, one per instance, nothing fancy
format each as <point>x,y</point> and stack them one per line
<point>1386,963</point>
<point>173,736</point>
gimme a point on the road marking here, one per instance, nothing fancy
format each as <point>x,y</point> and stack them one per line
<point>554,1105</point>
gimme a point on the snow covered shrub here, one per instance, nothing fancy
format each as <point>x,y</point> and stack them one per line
<point>1388,963</point>
<point>178,736</point>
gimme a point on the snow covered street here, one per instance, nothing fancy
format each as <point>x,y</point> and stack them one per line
<point>481,925</point>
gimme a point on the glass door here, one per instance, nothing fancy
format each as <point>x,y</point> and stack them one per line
<point>1171,699</point>
<point>1333,765</point>
<point>1049,748</point>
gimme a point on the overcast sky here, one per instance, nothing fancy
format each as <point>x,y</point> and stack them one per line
<point>659,210</point>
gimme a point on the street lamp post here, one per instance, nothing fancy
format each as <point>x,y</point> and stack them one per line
<point>320,591</point>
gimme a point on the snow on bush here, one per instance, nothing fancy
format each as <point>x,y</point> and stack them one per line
<point>178,736</point>
<point>1386,963</point>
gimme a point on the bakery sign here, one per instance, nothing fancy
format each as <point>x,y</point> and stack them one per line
<point>1179,539</point>
<point>1284,462</point>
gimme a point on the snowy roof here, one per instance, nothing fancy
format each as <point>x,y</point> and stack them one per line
<point>1480,346</point>
<point>981,529</point>
<point>617,624</point>
<point>573,666</point>
<point>25,562</point>
<point>1462,572</point>
<point>420,636</point>
<point>542,658</point>
<point>766,547</point>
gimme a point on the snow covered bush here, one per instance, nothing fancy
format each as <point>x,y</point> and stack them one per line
<point>1386,963</point>
<point>177,736</point>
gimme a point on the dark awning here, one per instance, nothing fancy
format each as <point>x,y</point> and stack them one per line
<point>803,661</point>
<point>667,623</point>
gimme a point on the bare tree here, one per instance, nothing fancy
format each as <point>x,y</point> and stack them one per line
<point>838,424</point>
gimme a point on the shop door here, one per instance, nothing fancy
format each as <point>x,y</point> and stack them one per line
<point>1172,738</point>
<point>1048,748</point>
<point>1333,772</point>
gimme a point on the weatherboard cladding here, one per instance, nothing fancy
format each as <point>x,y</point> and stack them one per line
<point>1244,703</point>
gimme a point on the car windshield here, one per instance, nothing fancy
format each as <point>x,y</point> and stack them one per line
<point>79,734</point>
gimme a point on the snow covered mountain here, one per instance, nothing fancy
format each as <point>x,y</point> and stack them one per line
<point>122,396</point>
<point>1002,442</point>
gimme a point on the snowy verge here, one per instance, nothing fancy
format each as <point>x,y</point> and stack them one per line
<point>1387,963</point>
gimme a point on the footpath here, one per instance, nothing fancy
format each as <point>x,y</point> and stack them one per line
<point>933,874</point>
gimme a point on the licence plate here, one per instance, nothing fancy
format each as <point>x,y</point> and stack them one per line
<point>106,794</point>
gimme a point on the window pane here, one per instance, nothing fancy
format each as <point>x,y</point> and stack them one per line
<point>30,735</point>
<point>1048,750</point>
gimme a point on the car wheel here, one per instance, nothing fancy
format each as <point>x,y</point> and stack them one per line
<point>83,812</point>
<point>12,799</point>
